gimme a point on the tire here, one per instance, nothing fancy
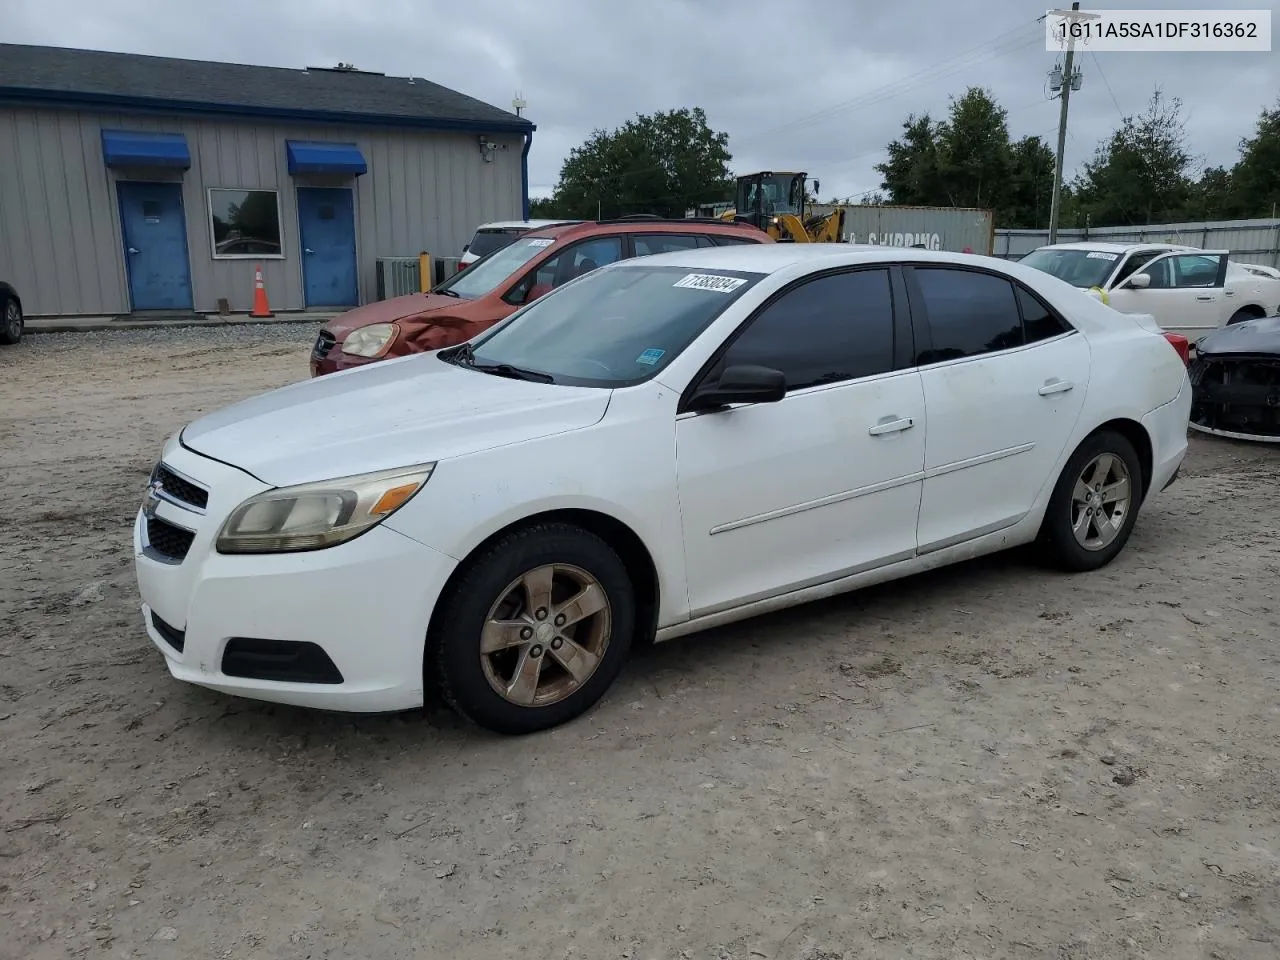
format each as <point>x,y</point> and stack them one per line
<point>471,681</point>
<point>1240,316</point>
<point>1059,542</point>
<point>11,322</point>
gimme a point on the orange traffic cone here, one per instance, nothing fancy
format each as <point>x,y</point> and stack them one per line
<point>260,306</point>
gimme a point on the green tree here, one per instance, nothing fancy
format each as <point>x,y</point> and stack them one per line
<point>1028,195</point>
<point>976,161</point>
<point>1140,174</point>
<point>663,163</point>
<point>912,174</point>
<point>968,160</point>
<point>1213,197</point>
<point>1255,179</point>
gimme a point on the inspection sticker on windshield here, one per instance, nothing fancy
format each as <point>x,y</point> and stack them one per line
<point>1099,255</point>
<point>709,281</point>
<point>541,241</point>
<point>650,356</point>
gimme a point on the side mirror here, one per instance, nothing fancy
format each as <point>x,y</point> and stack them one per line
<point>1139,281</point>
<point>741,384</point>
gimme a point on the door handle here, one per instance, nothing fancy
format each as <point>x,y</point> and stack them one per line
<point>891,426</point>
<point>133,249</point>
<point>307,250</point>
<point>1205,296</point>
<point>1055,386</point>
<point>1228,293</point>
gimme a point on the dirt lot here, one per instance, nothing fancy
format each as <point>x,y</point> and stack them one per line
<point>991,761</point>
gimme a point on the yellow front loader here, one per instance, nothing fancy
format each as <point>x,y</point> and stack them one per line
<point>777,204</point>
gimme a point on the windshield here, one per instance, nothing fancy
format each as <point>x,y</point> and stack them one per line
<point>615,326</point>
<point>487,241</point>
<point>777,193</point>
<point>486,274</point>
<point>1080,268</point>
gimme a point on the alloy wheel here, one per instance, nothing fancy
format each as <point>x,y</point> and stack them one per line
<point>1100,501</point>
<point>546,635</point>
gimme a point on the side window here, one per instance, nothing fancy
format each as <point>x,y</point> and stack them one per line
<point>704,241</point>
<point>1133,263</point>
<point>572,262</point>
<point>1037,322</point>
<point>1195,270</point>
<point>729,241</point>
<point>970,313</point>
<point>649,244</point>
<point>1161,274</point>
<point>834,328</point>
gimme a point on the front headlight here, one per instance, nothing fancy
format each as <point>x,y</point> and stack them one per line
<point>311,516</point>
<point>370,341</point>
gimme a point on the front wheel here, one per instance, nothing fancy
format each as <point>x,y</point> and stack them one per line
<point>1240,316</point>
<point>535,630</point>
<point>1094,504</point>
<point>11,323</point>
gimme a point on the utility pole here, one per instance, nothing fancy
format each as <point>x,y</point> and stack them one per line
<point>1070,81</point>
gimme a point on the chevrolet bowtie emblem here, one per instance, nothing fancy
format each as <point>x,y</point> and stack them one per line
<point>152,499</point>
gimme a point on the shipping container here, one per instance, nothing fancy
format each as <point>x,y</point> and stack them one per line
<point>959,229</point>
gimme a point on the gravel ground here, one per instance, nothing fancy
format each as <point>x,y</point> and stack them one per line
<point>990,761</point>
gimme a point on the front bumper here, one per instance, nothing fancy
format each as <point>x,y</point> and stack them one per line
<point>366,604</point>
<point>1237,396</point>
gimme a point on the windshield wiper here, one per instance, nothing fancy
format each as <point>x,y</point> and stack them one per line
<point>448,293</point>
<point>507,370</point>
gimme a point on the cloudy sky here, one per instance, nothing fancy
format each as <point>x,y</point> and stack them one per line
<point>818,85</point>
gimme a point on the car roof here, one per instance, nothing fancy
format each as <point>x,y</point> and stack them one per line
<point>773,257</point>
<point>520,224</point>
<point>1102,247</point>
<point>585,228</point>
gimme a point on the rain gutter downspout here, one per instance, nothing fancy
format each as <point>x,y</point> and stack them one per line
<point>524,171</point>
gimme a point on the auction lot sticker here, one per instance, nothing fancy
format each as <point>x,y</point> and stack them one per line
<point>709,281</point>
<point>1164,31</point>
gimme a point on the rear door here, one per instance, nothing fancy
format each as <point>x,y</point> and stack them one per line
<point>1004,382</point>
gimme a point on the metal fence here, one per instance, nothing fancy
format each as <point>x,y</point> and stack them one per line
<point>1250,241</point>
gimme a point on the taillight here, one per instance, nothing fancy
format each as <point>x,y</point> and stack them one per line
<point>461,266</point>
<point>1181,344</point>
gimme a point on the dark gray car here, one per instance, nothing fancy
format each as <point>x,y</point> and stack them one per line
<point>1235,380</point>
<point>10,315</point>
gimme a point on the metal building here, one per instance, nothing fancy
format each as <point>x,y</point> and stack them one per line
<point>150,186</point>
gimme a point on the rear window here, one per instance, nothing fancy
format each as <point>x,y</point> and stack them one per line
<point>725,241</point>
<point>487,241</point>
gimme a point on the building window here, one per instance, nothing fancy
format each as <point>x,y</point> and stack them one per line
<point>245,223</point>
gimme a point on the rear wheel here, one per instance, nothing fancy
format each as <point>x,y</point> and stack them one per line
<point>1094,504</point>
<point>535,631</point>
<point>11,323</point>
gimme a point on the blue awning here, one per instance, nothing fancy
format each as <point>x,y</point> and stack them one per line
<point>332,158</point>
<point>131,148</point>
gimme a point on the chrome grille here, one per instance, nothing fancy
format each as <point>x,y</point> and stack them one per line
<point>178,488</point>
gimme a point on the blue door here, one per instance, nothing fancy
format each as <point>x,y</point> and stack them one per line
<point>327,230</point>
<point>155,245</point>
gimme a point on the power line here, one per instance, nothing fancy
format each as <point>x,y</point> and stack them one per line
<point>999,46</point>
<point>1103,77</point>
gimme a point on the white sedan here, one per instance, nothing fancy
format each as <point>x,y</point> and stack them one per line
<point>1189,291</point>
<point>662,446</point>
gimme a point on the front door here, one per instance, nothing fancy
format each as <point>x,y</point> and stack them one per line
<point>1004,382</point>
<point>154,227</point>
<point>1186,294</point>
<point>327,230</point>
<point>823,484</point>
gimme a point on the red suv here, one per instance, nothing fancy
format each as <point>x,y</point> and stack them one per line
<point>496,285</point>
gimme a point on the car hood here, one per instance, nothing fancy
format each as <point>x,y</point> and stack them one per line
<point>415,409</point>
<point>1251,336</point>
<point>388,311</point>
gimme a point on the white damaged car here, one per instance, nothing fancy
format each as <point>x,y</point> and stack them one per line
<point>663,445</point>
